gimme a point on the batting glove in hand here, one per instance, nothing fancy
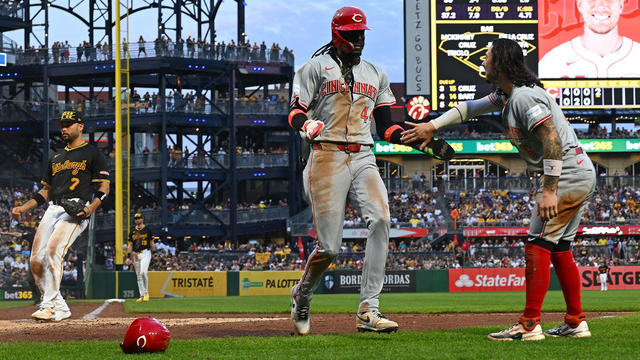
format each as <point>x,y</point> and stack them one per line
<point>439,149</point>
<point>312,128</point>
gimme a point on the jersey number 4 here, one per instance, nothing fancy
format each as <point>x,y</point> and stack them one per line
<point>365,116</point>
<point>74,183</point>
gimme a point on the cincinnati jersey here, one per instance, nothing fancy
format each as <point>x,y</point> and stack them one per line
<point>141,238</point>
<point>572,60</point>
<point>525,110</point>
<point>72,172</point>
<point>321,89</point>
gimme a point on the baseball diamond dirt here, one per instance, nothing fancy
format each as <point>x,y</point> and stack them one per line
<point>113,321</point>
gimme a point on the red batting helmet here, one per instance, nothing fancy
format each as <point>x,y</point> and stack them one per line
<point>146,335</point>
<point>347,18</point>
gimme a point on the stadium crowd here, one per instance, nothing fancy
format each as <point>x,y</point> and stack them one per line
<point>465,132</point>
<point>62,52</point>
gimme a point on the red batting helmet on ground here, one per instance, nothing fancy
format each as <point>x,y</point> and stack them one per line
<point>347,18</point>
<point>146,335</point>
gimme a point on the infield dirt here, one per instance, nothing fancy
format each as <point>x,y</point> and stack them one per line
<point>112,323</point>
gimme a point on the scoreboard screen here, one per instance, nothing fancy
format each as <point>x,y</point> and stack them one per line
<point>554,37</point>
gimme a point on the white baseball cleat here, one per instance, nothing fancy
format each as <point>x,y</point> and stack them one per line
<point>299,315</point>
<point>581,331</point>
<point>44,313</point>
<point>374,321</point>
<point>60,314</point>
<point>518,332</point>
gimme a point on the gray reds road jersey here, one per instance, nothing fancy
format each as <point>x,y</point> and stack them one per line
<point>572,60</point>
<point>321,89</point>
<point>525,110</point>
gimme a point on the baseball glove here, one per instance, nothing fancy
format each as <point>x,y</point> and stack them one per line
<point>440,149</point>
<point>72,207</point>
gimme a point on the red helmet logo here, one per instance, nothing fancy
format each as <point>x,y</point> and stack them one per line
<point>146,335</point>
<point>347,18</point>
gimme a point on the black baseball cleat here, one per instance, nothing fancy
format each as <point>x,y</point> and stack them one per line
<point>439,149</point>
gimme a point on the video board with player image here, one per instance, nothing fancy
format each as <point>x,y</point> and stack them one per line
<point>586,52</point>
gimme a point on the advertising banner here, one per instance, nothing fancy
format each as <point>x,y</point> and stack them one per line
<point>513,279</point>
<point>480,279</point>
<point>187,283</point>
<point>619,278</point>
<point>348,281</point>
<point>505,146</point>
<point>268,282</point>
<point>416,37</point>
<point>523,230</point>
<point>15,294</point>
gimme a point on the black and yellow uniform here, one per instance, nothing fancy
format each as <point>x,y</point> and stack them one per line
<point>72,172</point>
<point>140,238</point>
<point>603,269</point>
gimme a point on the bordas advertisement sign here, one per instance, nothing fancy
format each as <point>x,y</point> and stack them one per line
<point>348,281</point>
<point>620,277</point>
<point>268,282</point>
<point>500,146</point>
<point>187,283</point>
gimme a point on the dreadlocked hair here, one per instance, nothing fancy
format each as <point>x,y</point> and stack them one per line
<point>323,49</point>
<point>509,60</point>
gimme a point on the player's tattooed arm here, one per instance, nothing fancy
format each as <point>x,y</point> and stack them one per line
<point>551,148</point>
<point>552,153</point>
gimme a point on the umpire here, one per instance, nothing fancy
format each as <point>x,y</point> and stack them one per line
<point>139,247</point>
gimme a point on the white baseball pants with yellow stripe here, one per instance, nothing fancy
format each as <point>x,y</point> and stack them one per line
<point>142,270</point>
<point>55,235</point>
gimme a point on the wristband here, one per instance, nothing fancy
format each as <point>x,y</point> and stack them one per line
<point>552,167</point>
<point>39,199</point>
<point>100,195</point>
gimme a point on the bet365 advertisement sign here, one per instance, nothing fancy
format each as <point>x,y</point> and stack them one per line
<point>268,282</point>
<point>505,146</point>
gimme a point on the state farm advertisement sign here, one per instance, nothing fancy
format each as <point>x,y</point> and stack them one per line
<point>474,280</point>
<point>620,277</point>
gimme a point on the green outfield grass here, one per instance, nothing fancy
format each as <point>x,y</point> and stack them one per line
<point>10,304</point>
<point>613,338</point>
<point>612,300</point>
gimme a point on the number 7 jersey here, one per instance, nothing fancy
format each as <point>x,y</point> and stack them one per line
<point>73,172</point>
<point>345,109</point>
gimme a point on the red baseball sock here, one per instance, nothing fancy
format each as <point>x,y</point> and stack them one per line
<point>537,278</point>
<point>569,278</point>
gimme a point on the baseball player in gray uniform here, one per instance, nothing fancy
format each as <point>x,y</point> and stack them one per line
<point>72,176</point>
<point>335,97</point>
<point>546,141</point>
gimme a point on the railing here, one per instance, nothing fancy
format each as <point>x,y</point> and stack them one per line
<point>68,53</point>
<point>200,217</point>
<point>14,10</point>
<point>13,111</point>
<point>407,185</point>
<point>215,161</point>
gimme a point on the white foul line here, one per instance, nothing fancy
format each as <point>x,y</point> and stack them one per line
<point>94,314</point>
